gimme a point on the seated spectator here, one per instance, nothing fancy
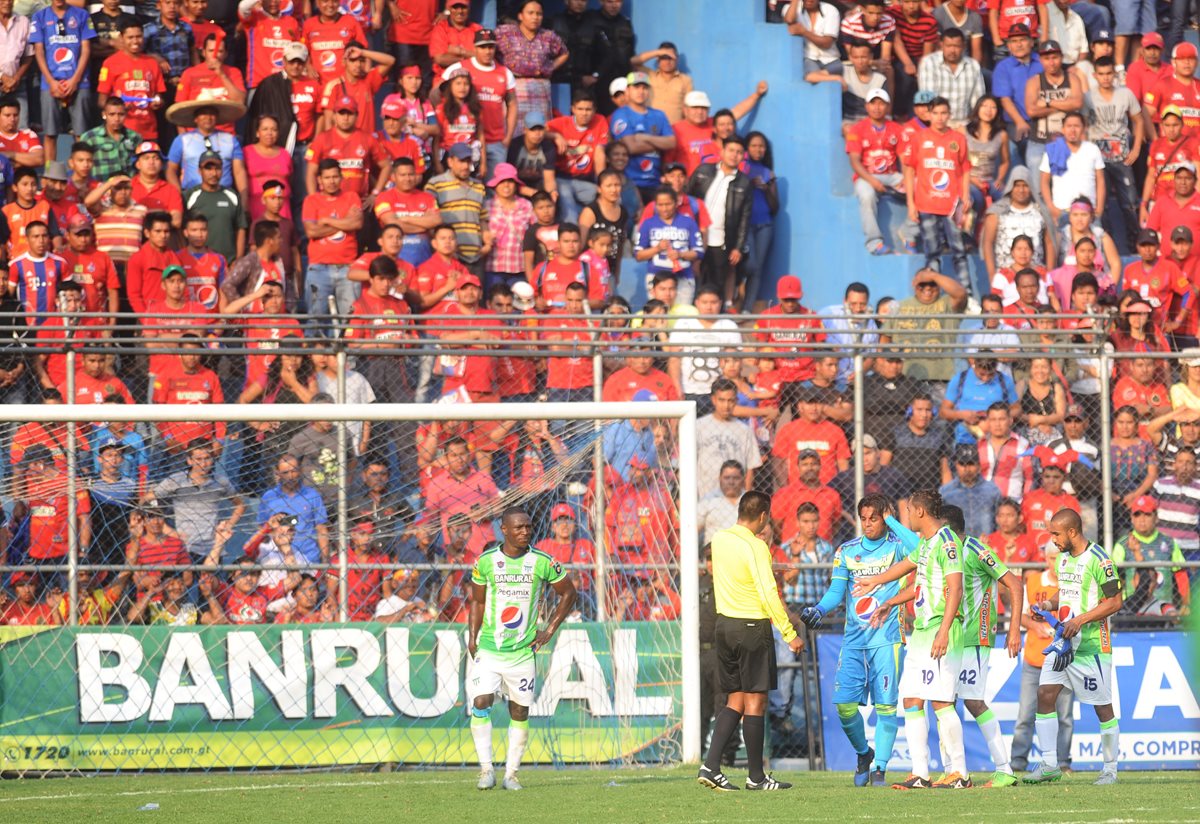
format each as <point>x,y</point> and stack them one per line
<point>947,72</point>
<point>872,145</point>
<point>992,337</point>
<point>182,379</point>
<point>819,23</point>
<point>887,394</point>
<point>1168,151</point>
<point>1006,285</point>
<point>973,391</point>
<point>93,384</point>
<point>201,500</point>
<point>1155,592</point>
<point>113,496</point>
<point>1011,542</point>
<point>470,377</point>
<point>306,606</point>
<point>177,321</point>
<point>404,605</point>
<point>1043,402</point>
<point>1082,481</point>
<point>554,277</point>
<point>1155,277</point>
<point>166,602</point>
<point>920,447</point>
<point>859,83</point>
<point>462,488</point>
<point>870,23</point>
<point>637,376</point>
<point>642,526</point>
<point>1134,465</point>
<point>834,394</point>
<point>96,605</point>
<point>453,593</point>
<point>1178,495</point>
<point>977,497</point>
<point>648,598</point>
<point>811,431</point>
<point>364,587</point>
<point>1040,505</point>
<point>1186,393</point>
<point>1050,98</point>
<point>934,294</point>
<point>1140,389</point>
<point>26,610</point>
<point>1003,454</point>
<point>316,447</point>
<point>540,243</point>
<point>272,545</point>
<point>567,546</point>
<point>151,544</point>
<point>1082,223</point>
<point>1135,330</point>
<point>807,487</point>
<point>713,511</point>
<point>877,480</point>
<point>691,338</point>
<point>243,601</point>
<point>292,497</point>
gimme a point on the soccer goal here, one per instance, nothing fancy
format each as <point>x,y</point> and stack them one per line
<point>369,667</point>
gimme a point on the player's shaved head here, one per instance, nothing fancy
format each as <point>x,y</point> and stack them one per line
<point>1068,519</point>
<point>513,511</point>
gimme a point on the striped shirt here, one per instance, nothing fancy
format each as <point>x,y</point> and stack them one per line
<point>1179,511</point>
<point>915,33</point>
<point>35,282</point>
<point>119,231</point>
<point>1007,467</point>
<point>743,581</point>
<point>853,29</point>
<point>461,205</point>
<point>509,226</point>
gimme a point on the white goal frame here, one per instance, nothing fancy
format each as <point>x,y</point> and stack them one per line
<point>683,412</point>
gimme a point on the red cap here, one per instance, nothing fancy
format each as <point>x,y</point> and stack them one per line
<point>1144,503</point>
<point>638,462</point>
<point>410,71</point>
<point>346,103</point>
<point>1152,39</point>
<point>562,511</point>
<point>468,280</point>
<point>789,288</point>
<point>393,107</point>
<point>78,221</point>
<point>1183,50</point>
<point>21,577</point>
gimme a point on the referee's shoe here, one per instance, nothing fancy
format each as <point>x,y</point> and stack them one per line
<point>715,780</point>
<point>768,783</point>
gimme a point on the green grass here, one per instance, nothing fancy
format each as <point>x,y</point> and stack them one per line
<point>601,796</point>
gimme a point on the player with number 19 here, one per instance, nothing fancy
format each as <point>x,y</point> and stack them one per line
<point>506,587</point>
<point>934,657</point>
<point>868,663</point>
<point>1089,591</point>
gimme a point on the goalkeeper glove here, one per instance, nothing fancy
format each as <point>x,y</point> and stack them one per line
<point>811,616</point>
<point>1063,651</point>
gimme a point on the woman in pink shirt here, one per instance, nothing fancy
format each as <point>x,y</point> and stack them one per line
<point>265,161</point>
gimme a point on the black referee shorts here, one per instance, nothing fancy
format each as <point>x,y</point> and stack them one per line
<point>745,655</point>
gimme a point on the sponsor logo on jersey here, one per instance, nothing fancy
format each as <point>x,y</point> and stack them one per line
<point>329,60</point>
<point>940,181</point>
<point>511,617</point>
<point>277,58</point>
<point>63,56</point>
<point>865,607</point>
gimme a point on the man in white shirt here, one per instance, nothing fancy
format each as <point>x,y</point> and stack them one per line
<point>714,510</point>
<point>720,437</point>
<point>695,343</point>
<point>819,24</point>
<point>859,328</point>
<point>1082,174</point>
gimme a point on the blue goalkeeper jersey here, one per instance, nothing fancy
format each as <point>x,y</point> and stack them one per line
<point>860,557</point>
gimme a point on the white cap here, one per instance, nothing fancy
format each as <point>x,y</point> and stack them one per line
<point>295,51</point>
<point>618,85</point>
<point>522,295</point>
<point>878,94</point>
<point>697,100</point>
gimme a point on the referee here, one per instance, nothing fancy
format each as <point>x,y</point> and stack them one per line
<point>747,603</point>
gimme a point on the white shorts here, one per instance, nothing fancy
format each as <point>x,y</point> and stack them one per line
<point>928,678</point>
<point>972,675</point>
<point>1088,676</point>
<point>490,671</point>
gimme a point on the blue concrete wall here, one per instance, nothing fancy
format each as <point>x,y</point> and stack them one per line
<point>727,47</point>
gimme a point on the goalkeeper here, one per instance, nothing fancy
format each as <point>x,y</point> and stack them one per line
<point>868,663</point>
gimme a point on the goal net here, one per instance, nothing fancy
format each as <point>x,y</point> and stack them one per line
<point>303,603</point>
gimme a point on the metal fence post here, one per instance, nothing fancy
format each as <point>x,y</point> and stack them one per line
<point>1106,531</point>
<point>72,504</point>
<point>342,528</point>
<point>600,588</point>
<point>859,409</point>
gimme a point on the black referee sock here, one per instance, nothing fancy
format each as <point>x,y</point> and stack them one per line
<point>723,730</point>
<point>754,731</point>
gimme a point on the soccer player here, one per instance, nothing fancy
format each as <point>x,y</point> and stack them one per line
<point>506,586</point>
<point>869,660</point>
<point>933,662</point>
<point>1089,590</point>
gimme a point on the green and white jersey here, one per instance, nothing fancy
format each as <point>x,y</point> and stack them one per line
<point>935,557</point>
<point>981,570</point>
<point>1085,580</point>
<point>514,586</point>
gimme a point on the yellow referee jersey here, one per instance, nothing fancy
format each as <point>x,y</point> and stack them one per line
<point>743,582</point>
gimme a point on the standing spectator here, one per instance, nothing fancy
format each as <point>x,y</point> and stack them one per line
<point>1132,18</point>
<point>1178,497</point>
<point>363,74</point>
<point>714,509</point>
<point>1015,215</point>
<point>211,79</point>
<point>608,212</point>
<point>15,60</point>
<point>267,162</point>
<point>1009,81</point>
<point>1067,29</point>
<point>819,24</point>
<point>332,218</point>
<point>460,200</point>
<point>327,35</point>
<point>172,42</point>
<point>137,79</point>
<point>1179,90</point>
<point>977,497</point>
<point>290,496</point>
<point>810,431</point>
<point>1115,125</point>
<point>645,132</point>
<point>413,210</point>
<point>21,147</point>
<point>938,184</point>
<point>496,89</point>
<point>220,208</point>
<point>1077,171</point>
<point>355,151</point>
<point>872,25</point>
<point>877,480</point>
<point>1004,455</point>
<point>1181,207</point>
<point>973,391</point>
<point>576,28</point>
<point>532,54</point>
<point>1007,17</point>
<point>411,34</point>
<point>695,343</point>
<point>612,48</point>
<point>1040,504</point>
<point>508,217</point>
<point>1011,542</point>
<point>788,327</point>
<point>721,438</point>
<point>670,242</point>
<point>458,116</point>
<point>887,394</point>
<point>861,82</point>
<point>535,158</point>
<point>66,87</point>
<point>669,86</point>
<point>951,74</point>
<point>954,14</point>
<point>113,143</point>
<point>727,193</point>
<point>1159,591</point>
<point>807,489</point>
<point>873,146</point>
<point>1050,96</point>
<point>580,139</point>
<point>202,502</point>
<point>453,37</point>
<point>920,447</point>
<point>1167,152</point>
<point>1143,74</point>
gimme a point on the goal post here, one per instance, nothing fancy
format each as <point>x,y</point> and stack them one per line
<point>682,735</point>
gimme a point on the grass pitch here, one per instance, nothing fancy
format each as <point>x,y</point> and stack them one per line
<point>608,796</point>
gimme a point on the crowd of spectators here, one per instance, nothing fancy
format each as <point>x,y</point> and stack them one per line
<point>356,176</point>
